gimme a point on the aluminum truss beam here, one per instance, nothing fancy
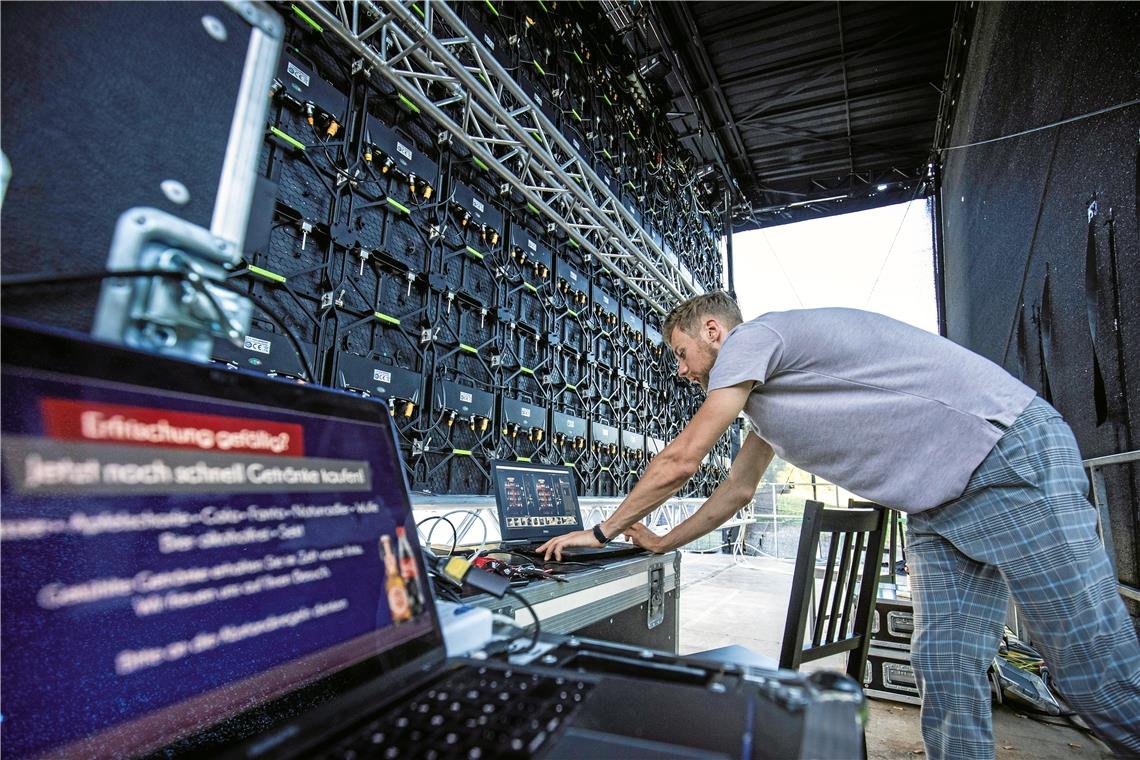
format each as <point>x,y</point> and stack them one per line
<point>447,73</point>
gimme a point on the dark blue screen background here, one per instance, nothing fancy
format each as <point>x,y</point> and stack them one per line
<point>58,667</point>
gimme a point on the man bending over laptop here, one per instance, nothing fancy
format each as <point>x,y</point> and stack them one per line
<point>988,473</point>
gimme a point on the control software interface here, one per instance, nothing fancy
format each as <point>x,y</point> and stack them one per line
<point>536,497</point>
<point>234,550</point>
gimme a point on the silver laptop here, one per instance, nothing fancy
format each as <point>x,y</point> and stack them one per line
<point>537,502</point>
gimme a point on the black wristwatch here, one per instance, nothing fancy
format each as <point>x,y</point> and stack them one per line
<point>600,536</point>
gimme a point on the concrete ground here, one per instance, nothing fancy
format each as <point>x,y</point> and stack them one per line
<point>745,602</point>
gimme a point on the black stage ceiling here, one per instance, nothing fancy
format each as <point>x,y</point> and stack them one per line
<point>807,109</point>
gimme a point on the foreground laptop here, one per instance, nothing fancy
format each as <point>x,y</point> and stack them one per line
<point>202,561</point>
<point>537,502</point>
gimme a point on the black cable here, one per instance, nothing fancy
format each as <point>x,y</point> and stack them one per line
<point>454,530</point>
<point>38,278</point>
<point>533,614</point>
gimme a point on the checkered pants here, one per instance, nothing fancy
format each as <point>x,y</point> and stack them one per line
<point>1022,526</point>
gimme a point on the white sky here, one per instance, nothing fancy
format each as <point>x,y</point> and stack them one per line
<point>879,260</point>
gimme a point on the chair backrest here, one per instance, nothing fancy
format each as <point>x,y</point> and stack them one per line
<point>850,583</point>
<point>894,547</point>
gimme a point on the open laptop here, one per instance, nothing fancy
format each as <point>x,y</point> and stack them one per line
<point>197,560</point>
<point>537,502</point>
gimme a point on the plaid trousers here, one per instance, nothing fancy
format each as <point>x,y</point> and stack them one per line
<point>1023,526</point>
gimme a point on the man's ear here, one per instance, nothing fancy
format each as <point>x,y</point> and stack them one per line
<point>712,330</point>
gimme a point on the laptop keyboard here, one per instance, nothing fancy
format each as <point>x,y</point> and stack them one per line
<point>475,713</point>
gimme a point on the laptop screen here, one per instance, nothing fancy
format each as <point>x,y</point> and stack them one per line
<point>535,501</point>
<point>171,559</point>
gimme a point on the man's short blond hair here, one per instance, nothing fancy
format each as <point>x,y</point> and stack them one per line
<point>689,315</point>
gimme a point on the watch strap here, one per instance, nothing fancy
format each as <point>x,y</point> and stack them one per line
<point>599,535</point>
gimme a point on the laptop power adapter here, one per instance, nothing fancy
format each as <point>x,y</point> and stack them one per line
<point>465,628</point>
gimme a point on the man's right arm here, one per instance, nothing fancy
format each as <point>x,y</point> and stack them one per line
<point>729,497</point>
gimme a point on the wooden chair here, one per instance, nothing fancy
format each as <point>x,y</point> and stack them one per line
<point>849,578</point>
<point>841,621</point>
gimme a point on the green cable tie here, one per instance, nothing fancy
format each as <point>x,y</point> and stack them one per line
<point>527,370</point>
<point>530,206</point>
<point>408,103</point>
<point>544,10</point>
<point>397,204</point>
<point>474,253</point>
<point>266,274</point>
<point>628,132</point>
<point>530,287</point>
<point>631,185</point>
<point>469,349</point>
<point>418,10</point>
<point>571,312</point>
<point>577,116</point>
<point>462,452</point>
<point>568,464</point>
<point>579,58</point>
<point>484,79</point>
<point>537,135</point>
<point>574,243</point>
<point>570,387</point>
<point>522,459</point>
<point>606,153</point>
<point>539,67</point>
<point>479,163</point>
<point>307,19</point>
<point>609,102</point>
<point>288,138</point>
<point>492,7</point>
<point>385,318</point>
<point>604,469</point>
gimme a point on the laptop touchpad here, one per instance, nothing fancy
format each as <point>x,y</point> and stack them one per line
<point>579,744</point>
<point>659,719</point>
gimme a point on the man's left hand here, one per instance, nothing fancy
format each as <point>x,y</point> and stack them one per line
<point>645,538</point>
<point>578,538</point>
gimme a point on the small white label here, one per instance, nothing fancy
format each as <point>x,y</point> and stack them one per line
<point>381,376</point>
<point>573,275</point>
<point>605,299</point>
<point>532,245</point>
<point>571,424</point>
<point>577,147</point>
<point>465,397</point>
<point>403,150</point>
<point>478,204</point>
<point>259,345</point>
<point>537,99</point>
<point>488,41</point>
<point>525,412</point>
<point>297,74</point>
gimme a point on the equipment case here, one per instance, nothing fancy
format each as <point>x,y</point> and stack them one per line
<point>631,600</point>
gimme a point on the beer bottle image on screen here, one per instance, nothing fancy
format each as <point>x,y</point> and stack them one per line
<point>398,603</point>
<point>408,571</point>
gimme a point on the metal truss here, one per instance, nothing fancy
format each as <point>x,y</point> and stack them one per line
<point>477,520</point>
<point>446,73</point>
